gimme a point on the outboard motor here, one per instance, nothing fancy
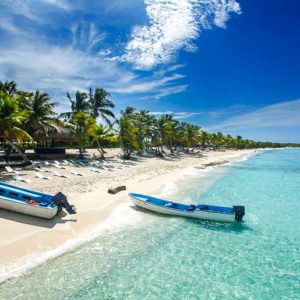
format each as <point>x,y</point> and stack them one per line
<point>239,212</point>
<point>61,201</point>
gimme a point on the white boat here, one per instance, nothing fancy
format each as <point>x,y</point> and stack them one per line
<point>199,211</point>
<point>32,203</point>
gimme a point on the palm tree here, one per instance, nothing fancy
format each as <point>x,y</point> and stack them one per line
<point>80,104</point>
<point>101,133</point>
<point>166,128</point>
<point>192,134</point>
<point>100,104</point>
<point>42,117</point>
<point>144,122</point>
<point>11,120</point>
<point>128,136</point>
<point>8,87</point>
<point>83,128</point>
<point>239,142</point>
<point>128,112</point>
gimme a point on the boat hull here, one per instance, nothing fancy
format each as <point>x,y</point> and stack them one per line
<point>15,199</point>
<point>28,209</point>
<point>197,214</point>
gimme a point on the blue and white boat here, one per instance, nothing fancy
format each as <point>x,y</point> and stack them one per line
<point>32,203</point>
<point>199,211</point>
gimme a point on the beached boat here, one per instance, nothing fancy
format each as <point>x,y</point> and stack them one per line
<point>199,211</point>
<point>32,203</point>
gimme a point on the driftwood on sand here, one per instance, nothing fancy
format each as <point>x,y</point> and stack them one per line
<point>116,189</point>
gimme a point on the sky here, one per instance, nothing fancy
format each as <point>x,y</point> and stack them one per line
<point>227,65</point>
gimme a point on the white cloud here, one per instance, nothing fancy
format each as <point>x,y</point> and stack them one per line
<point>283,114</point>
<point>7,25</point>
<point>176,115</point>
<point>174,24</point>
<point>61,4</point>
<point>21,8</point>
<point>185,115</point>
<point>36,59</point>
<point>160,113</point>
<point>167,91</point>
<point>59,69</point>
<point>52,67</point>
<point>86,36</point>
<point>143,86</point>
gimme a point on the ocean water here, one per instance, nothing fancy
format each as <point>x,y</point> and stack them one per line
<point>157,257</point>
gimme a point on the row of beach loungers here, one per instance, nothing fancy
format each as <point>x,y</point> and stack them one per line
<point>44,167</point>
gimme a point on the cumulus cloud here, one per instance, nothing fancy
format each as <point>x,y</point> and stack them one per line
<point>283,114</point>
<point>174,24</point>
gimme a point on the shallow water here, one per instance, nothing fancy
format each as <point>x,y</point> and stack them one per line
<point>174,258</point>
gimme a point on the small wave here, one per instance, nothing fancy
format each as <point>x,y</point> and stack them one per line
<point>121,217</point>
<point>252,219</point>
<point>169,188</point>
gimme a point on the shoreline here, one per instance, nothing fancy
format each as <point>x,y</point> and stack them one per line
<point>28,242</point>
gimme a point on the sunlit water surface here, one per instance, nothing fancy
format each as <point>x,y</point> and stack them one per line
<point>174,258</point>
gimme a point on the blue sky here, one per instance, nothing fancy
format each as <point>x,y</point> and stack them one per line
<point>227,65</point>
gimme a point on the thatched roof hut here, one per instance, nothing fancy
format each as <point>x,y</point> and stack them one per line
<point>64,134</point>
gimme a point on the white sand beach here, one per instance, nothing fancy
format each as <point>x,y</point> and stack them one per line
<point>22,237</point>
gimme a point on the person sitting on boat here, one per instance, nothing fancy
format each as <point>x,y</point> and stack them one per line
<point>191,207</point>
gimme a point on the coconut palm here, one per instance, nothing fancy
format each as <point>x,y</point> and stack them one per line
<point>79,104</point>
<point>192,135</point>
<point>42,117</point>
<point>83,128</point>
<point>128,136</point>
<point>11,120</point>
<point>100,105</point>
<point>128,112</point>
<point>8,87</point>
<point>100,133</point>
<point>166,128</point>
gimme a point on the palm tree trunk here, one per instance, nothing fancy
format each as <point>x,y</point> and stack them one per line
<point>100,149</point>
<point>19,151</point>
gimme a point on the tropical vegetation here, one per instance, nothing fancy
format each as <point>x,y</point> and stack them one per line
<point>27,117</point>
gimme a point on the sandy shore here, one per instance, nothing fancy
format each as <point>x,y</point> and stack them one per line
<point>22,237</point>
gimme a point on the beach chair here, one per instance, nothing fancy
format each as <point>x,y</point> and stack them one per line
<point>96,170</point>
<point>82,164</point>
<point>41,176</point>
<point>119,166</point>
<point>58,166</point>
<point>19,178</point>
<point>42,170</point>
<point>74,163</point>
<point>10,170</point>
<point>77,173</point>
<point>68,163</point>
<point>60,175</point>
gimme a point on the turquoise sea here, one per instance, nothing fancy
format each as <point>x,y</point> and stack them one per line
<point>158,257</point>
